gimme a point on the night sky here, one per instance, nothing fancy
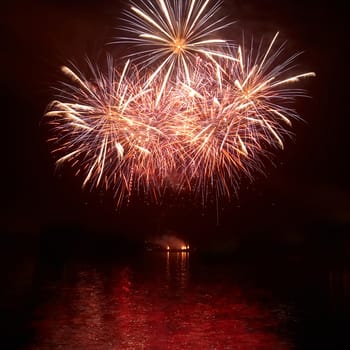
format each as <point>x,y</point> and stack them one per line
<point>308,187</point>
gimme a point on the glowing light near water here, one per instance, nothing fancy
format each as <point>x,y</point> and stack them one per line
<point>169,243</point>
<point>202,118</point>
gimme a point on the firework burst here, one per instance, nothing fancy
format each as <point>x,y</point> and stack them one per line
<point>239,110</point>
<point>202,119</point>
<point>99,132</point>
<point>170,34</point>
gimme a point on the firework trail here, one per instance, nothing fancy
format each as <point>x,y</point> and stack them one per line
<point>195,117</point>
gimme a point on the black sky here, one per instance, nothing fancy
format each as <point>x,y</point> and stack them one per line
<point>310,182</point>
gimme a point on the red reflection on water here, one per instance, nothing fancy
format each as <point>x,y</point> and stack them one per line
<point>155,307</point>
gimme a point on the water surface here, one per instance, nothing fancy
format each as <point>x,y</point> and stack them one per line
<point>163,300</point>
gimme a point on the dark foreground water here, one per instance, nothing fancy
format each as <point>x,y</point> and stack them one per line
<point>159,300</point>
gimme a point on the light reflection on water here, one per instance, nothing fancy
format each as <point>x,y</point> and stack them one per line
<point>159,303</point>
